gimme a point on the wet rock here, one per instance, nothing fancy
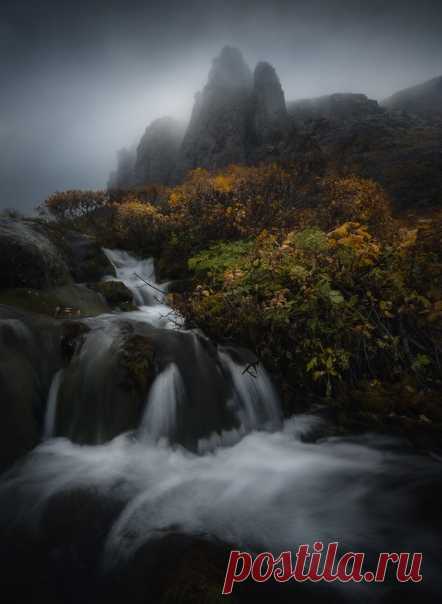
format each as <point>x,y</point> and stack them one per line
<point>73,336</point>
<point>59,302</point>
<point>105,385</point>
<point>116,294</point>
<point>107,382</point>
<point>29,356</point>
<point>84,257</point>
<point>28,258</point>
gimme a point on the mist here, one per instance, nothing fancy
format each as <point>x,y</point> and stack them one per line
<point>80,81</point>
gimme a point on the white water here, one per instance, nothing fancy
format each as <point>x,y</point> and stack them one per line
<point>165,394</point>
<point>127,269</point>
<point>51,405</point>
<point>134,273</point>
<point>269,491</point>
<point>255,400</point>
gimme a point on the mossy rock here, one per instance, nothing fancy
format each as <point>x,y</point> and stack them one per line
<point>116,294</point>
<point>137,357</point>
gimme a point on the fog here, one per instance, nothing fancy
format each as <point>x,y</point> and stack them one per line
<point>80,80</point>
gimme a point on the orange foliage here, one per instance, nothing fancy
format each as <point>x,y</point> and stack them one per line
<point>75,204</point>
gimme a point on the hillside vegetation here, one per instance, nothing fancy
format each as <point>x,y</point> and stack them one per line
<point>339,298</point>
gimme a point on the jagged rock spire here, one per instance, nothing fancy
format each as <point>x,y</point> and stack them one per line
<point>217,132</point>
<point>230,71</point>
<point>270,111</point>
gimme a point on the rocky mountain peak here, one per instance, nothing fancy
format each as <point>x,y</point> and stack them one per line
<point>217,132</point>
<point>230,71</point>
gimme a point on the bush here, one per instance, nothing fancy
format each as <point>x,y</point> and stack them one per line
<point>320,309</point>
<point>75,205</point>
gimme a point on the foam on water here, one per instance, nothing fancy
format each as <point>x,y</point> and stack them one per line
<point>270,490</point>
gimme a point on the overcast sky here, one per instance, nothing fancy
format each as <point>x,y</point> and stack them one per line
<point>79,80</point>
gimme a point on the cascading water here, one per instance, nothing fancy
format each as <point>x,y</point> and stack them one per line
<point>246,477</point>
<point>166,393</point>
<point>255,399</point>
<point>201,395</point>
<point>51,405</point>
<point>139,277</point>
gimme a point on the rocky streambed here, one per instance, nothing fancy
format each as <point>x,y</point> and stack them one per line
<point>136,453</point>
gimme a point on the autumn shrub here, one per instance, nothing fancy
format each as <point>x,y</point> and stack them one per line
<point>139,226</point>
<point>313,273</point>
<point>235,203</point>
<point>321,309</point>
<point>75,205</point>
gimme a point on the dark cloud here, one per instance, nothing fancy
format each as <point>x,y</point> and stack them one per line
<point>79,80</point>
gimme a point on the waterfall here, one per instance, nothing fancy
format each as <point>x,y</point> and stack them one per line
<point>51,405</point>
<point>166,393</point>
<point>134,273</point>
<point>255,400</point>
<point>139,277</point>
<point>244,398</point>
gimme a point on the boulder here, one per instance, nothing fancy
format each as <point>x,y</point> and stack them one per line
<point>28,258</point>
<point>116,294</point>
<point>84,257</point>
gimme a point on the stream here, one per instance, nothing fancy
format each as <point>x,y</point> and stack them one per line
<point>211,457</point>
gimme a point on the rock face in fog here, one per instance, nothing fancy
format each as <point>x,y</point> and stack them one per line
<point>424,100</point>
<point>239,117</point>
<point>270,117</point>
<point>157,152</point>
<point>243,118</point>
<point>123,176</point>
<point>218,131</point>
<point>336,107</point>
<point>401,151</point>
